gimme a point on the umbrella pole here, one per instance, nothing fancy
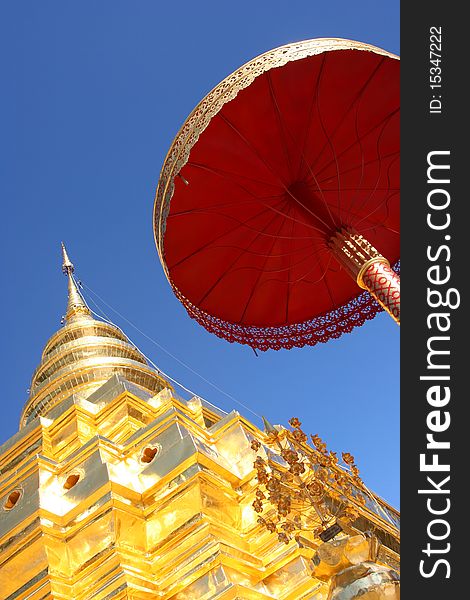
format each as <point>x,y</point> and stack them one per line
<point>369,268</point>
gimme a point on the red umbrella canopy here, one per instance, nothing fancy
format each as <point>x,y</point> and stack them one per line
<point>296,145</point>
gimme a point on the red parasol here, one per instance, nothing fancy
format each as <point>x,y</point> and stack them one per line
<point>279,192</point>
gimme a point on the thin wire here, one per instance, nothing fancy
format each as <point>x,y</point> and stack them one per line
<point>102,315</point>
<point>216,387</point>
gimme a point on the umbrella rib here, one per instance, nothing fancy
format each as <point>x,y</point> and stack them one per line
<point>324,280</point>
<point>374,226</point>
<point>327,190</point>
<point>353,189</point>
<point>229,175</point>
<point>310,113</point>
<point>361,178</point>
<point>369,162</point>
<point>279,121</point>
<point>314,255</point>
<point>322,196</point>
<point>330,143</point>
<point>376,223</point>
<point>208,209</point>
<point>261,271</point>
<point>204,246</point>
<point>286,189</point>
<point>354,215</point>
<point>227,271</point>
<point>231,218</point>
<point>380,161</point>
<point>262,254</point>
<point>284,269</point>
<point>250,146</point>
<point>366,217</point>
<point>325,271</point>
<point>302,156</point>
<point>257,199</point>
<point>289,273</point>
<point>353,103</point>
<point>387,117</point>
<point>278,111</point>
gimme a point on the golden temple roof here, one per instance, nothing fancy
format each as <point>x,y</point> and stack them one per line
<point>83,355</point>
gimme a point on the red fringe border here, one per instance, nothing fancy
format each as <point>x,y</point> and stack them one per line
<point>321,329</point>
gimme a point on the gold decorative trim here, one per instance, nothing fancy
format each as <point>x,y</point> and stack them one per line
<point>369,268</point>
<point>354,252</point>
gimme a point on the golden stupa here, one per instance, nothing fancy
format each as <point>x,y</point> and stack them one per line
<point>115,487</point>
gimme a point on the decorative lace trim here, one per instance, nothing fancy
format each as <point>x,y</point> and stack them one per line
<point>321,329</point>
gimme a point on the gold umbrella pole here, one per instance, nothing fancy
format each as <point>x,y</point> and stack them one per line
<point>369,268</point>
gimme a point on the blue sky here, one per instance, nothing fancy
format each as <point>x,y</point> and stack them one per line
<point>94,92</point>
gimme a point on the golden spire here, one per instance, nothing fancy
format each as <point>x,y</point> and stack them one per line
<point>76,306</point>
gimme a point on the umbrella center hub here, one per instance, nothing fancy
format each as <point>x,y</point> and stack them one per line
<point>312,206</point>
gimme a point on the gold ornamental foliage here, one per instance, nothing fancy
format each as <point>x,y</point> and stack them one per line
<point>309,490</point>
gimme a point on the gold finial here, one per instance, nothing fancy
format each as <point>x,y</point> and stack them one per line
<point>76,305</point>
<point>67,264</point>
